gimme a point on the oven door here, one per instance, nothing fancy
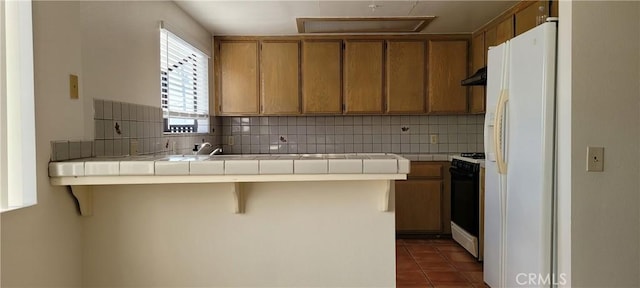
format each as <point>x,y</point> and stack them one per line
<point>465,200</point>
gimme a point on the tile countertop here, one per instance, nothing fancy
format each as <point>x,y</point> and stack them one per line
<point>429,157</point>
<point>258,164</point>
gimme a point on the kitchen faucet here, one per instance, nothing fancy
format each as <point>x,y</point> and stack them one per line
<point>206,145</point>
<point>216,151</point>
<point>203,146</point>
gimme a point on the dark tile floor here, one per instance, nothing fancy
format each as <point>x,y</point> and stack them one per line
<point>435,263</point>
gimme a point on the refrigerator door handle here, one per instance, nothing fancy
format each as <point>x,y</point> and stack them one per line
<point>498,128</point>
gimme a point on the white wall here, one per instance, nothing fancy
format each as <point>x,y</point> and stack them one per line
<point>41,245</point>
<point>121,52</point>
<point>113,48</point>
<point>306,234</point>
<point>604,112</point>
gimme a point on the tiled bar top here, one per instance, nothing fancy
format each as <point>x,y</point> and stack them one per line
<point>259,164</point>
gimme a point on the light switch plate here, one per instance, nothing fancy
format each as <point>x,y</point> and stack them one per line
<point>73,87</point>
<point>595,159</point>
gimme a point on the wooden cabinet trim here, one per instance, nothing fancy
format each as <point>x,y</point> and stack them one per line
<point>372,37</point>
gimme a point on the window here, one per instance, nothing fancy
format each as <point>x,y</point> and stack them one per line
<point>184,85</point>
<point>17,120</point>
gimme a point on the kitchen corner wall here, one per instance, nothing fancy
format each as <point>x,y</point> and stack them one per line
<point>353,134</point>
<point>113,47</point>
<point>121,125</point>
<point>600,99</point>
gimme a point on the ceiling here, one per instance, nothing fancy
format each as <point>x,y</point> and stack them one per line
<point>242,17</point>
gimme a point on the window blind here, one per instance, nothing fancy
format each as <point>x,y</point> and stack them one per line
<point>184,80</point>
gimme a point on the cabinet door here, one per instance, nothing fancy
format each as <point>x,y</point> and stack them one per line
<point>405,81</point>
<point>504,30</point>
<point>363,61</point>
<point>418,205</point>
<point>279,74</point>
<point>490,39</point>
<point>447,67</point>
<point>528,17</point>
<point>477,99</point>
<point>239,77</point>
<point>321,77</point>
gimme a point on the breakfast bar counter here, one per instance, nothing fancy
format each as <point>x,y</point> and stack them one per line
<point>81,174</point>
<point>324,220</point>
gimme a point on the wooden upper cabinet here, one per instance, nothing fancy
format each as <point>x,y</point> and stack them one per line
<point>279,77</point>
<point>490,39</point>
<point>530,16</point>
<point>478,60</point>
<point>405,83</point>
<point>363,74</point>
<point>553,8</point>
<point>321,77</point>
<point>238,77</point>
<point>504,30</point>
<point>447,67</point>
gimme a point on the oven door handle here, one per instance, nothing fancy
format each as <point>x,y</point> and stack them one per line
<point>458,172</point>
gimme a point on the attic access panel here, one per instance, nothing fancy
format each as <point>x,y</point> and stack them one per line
<point>363,24</point>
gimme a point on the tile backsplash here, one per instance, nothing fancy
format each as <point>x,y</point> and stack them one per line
<point>348,134</point>
<point>120,126</point>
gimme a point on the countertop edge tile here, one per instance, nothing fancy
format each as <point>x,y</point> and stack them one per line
<point>137,168</point>
<point>166,168</point>
<point>349,163</point>
<point>102,168</point>
<point>211,167</point>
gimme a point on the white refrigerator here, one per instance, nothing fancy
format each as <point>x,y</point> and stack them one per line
<point>519,145</point>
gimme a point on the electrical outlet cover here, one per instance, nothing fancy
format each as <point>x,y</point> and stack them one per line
<point>433,139</point>
<point>595,159</point>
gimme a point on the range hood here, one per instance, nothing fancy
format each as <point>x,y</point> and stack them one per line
<point>477,79</point>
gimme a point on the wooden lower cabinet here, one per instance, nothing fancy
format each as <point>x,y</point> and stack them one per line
<point>422,201</point>
<point>418,205</point>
